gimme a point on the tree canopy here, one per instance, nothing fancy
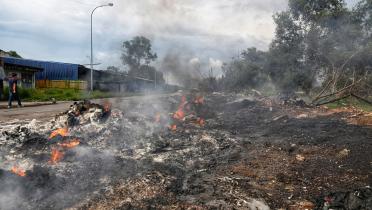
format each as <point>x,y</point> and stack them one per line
<point>137,52</point>
<point>315,40</point>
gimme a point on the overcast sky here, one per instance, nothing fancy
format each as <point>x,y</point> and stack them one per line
<point>207,31</point>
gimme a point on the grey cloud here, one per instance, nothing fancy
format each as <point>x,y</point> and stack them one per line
<point>203,28</point>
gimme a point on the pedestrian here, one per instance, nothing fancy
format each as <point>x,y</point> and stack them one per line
<point>2,76</point>
<point>13,90</point>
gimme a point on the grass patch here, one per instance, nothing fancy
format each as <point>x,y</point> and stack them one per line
<point>351,101</point>
<point>58,94</point>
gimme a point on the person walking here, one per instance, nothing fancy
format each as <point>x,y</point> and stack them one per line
<point>13,90</point>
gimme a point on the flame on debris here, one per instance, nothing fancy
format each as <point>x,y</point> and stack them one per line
<point>60,131</point>
<point>56,156</point>
<point>107,106</point>
<point>18,171</point>
<point>200,121</point>
<point>71,144</point>
<point>199,100</point>
<point>180,114</point>
<point>173,127</point>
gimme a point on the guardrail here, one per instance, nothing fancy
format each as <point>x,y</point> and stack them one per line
<point>62,84</point>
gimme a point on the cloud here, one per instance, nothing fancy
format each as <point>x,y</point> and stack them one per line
<point>203,29</point>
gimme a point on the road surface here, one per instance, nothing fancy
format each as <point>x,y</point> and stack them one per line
<point>47,112</point>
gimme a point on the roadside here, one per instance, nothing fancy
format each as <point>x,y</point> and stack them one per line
<point>37,111</point>
<point>47,110</point>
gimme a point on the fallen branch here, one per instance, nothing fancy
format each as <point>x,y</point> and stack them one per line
<point>323,90</point>
<point>334,100</point>
<point>361,98</point>
<point>339,91</point>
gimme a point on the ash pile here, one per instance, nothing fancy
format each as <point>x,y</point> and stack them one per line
<point>90,148</point>
<point>221,151</point>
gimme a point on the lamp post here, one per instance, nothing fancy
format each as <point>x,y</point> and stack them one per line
<point>91,42</point>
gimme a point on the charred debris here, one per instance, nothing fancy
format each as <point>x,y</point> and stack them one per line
<point>188,151</point>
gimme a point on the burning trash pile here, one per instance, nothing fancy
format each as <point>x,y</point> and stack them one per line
<point>185,151</point>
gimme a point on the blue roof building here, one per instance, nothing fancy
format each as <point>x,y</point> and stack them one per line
<point>51,70</point>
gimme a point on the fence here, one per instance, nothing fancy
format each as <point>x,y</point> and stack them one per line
<point>62,84</point>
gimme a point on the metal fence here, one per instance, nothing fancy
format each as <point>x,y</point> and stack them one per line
<point>62,84</point>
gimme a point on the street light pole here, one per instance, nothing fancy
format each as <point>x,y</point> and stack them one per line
<point>91,42</point>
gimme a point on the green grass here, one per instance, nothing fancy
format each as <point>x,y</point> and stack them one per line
<point>58,94</point>
<point>69,94</point>
<point>351,102</point>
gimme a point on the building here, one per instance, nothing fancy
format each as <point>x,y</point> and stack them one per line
<point>44,73</point>
<point>51,70</point>
<point>118,81</point>
<point>25,72</point>
<point>48,74</point>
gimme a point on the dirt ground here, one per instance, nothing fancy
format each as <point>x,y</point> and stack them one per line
<point>289,156</point>
<point>251,153</point>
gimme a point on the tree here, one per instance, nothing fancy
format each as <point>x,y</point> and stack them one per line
<point>286,64</point>
<point>321,11</point>
<point>247,71</point>
<point>137,52</point>
<point>14,54</point>
<point>314,39</point>
<point>113,69</point>
<point>337,43</point>
<point>11,53</point>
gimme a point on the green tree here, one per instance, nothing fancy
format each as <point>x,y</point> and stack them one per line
<point>313,39</point>
<point>286,64</point>
<point>137,52</point>
<point>321,11</point>
<point>247,71</point>
<point>14,54</point>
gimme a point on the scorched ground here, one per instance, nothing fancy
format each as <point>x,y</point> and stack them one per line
<point>187,151</point>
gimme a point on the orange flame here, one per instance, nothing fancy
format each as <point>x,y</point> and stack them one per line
<point>173,127</point>
<point>199,100</point>
<point>60,131</point>
<point>18,171</point>
<point>107,106</point>
<point>71,144</point>
<point>56,156</point>
<point>200,121</point>
<point>180,114</point>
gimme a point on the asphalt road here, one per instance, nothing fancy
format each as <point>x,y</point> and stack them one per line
<point>36,112</point>
<point>47,112</point>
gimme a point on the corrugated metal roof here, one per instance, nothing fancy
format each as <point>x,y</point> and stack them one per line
<point>51,70</point>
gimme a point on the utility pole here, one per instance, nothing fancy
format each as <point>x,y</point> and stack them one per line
<point>91,42</point>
